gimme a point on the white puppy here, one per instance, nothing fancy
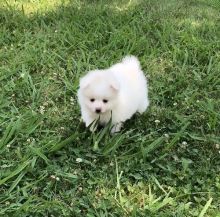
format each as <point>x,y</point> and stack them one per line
<point>115,93</point>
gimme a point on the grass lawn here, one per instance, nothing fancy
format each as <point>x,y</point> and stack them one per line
<point>164,163</point>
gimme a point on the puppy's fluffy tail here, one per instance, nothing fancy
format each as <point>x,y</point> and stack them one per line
<point>132,63</point>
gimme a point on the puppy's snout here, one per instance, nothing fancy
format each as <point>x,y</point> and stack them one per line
<point>98,110</point>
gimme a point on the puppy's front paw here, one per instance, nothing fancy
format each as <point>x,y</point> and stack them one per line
<point>91,125</point>
<point>116,128</point>
<point>93,128</point>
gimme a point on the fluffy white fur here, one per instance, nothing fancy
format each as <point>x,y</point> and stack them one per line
<point>119,91</point>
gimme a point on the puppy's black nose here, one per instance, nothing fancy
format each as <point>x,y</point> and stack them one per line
<point>98,111</point>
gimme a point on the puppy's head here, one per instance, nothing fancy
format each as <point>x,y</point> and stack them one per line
<point>99,90</point>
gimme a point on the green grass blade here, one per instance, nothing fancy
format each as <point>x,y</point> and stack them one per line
<point>17,180</point>
<point>160,204</point>
<point>177,136</point>
<point>63,143</point>
<point>155,144</point>
<point>39,153</point>
<point>113,144</point>
<point>16,171</point>
<point>98,136</point>
<point>9,132</point>
<point>205,208</point>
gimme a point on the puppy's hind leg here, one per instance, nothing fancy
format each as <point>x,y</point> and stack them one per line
<point>143,106</point>
<point>116,127</point>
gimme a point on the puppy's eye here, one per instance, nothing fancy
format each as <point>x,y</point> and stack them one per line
<point>105,100</point>
<point>92,100</point>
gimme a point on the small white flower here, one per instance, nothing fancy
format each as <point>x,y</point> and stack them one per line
<point>157,121</point>
<point>42,109</point>
<point>28,140</point>
<point>62,128</point>
<point>8,146</point>
<point>197,101</point>
<point>22,75</point>
<point>56,31</point>
<point>53,177</point>
<point>71,100</point>
<point>79,160</point>
<point>174,103</point>
<point>45,103</point>
<point>217,146</point>
<point>166,135</point>
<point>184,143</point>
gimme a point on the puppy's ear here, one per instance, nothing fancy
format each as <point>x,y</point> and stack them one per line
<point>115,85</point>
<point>84,82</point>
